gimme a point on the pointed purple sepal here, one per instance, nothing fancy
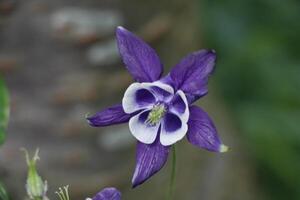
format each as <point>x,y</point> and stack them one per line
<point>109,116</point>
<point>140,59</point>
<point>150,158</point>
<point>202,132</point>
<point>191,73</point>
<point>108,194</point>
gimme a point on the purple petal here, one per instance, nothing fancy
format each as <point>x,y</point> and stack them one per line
<point>173,129</point>
<point>109,116</point>
<point>108,194</point>
<point>202,132</point>
<point>141,130</point>
<point>150,158</point>
<point>140,59</point>
<point>191,73</point>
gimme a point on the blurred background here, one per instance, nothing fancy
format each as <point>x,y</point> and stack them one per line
<point>59,62</point>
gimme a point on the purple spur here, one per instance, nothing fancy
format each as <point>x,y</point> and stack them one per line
<point>109,193</point>
<point>159,109</point>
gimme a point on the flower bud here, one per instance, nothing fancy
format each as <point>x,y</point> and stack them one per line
<point>36,188</point>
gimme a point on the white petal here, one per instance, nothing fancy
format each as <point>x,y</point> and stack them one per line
<point>129,101</point>
<point>172,130</point>
<point>142,131</point>
<point>162,91</point>
<point>185,115</point>
<point>164,86</point>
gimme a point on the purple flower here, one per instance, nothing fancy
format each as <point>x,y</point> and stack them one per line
<point>160,110</point>
<point>107,194</point>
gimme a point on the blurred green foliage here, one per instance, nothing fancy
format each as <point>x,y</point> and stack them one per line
<point>258,72</point>
<point>4,110</point>
<point>3,194</point>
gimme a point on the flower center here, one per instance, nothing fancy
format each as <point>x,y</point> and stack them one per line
<point>156,113</point>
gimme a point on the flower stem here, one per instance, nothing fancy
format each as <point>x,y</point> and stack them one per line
<point>173,174</point>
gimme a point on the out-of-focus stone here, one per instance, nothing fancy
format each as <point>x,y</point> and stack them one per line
<point>75,123</point>
<point>84,26</point>
<point>116,138</point>
<point>104,53</point>
<point>8,63</point>
<point>76,87</point>
<point>156,27</point>
<point>39,7</point>
<point>114,84</point>
<point>7,6</point>
<point>89,87</point>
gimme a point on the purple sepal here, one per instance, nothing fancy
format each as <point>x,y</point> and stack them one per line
<point>167,80</point>
<point>109,116</point>
<point>150,158</point>
<point>108,194</point>
<point>140,59</point>
<point>191,74</point>
<point>202,131</point>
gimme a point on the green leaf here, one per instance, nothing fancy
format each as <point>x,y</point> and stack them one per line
<point>4,110</point>
<point>3,193</point>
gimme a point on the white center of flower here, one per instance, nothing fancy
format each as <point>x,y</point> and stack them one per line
<point>156,113</point>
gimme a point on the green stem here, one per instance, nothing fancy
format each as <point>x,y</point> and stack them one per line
<point>173,174</point>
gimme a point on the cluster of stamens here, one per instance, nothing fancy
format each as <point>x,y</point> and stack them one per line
<point>156,113</point>
<point>63,194</point>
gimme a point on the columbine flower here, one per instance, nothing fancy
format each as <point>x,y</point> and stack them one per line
<point>107,194</point>
<point>160,110</point>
